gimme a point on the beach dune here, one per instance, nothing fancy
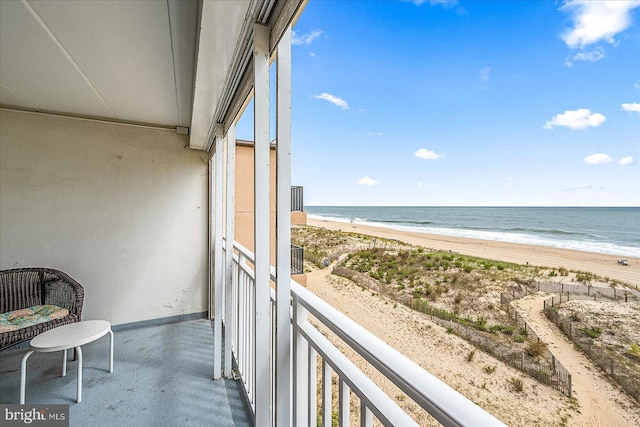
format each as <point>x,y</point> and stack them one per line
<point>600,264</point>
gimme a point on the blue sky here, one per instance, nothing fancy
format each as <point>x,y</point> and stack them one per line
<point>466,103</point>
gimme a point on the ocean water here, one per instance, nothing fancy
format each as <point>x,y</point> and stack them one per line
<point>595,229</point>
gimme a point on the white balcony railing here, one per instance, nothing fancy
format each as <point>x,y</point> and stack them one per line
<point>438,399</point>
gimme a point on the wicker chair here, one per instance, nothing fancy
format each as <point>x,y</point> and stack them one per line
<point>27,287</point>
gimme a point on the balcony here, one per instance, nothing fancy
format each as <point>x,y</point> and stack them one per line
<point>297,260</point>
<point>162,376</point>
<point>297,199</point>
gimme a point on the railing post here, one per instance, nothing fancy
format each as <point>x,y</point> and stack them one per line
<point>217,256</point>
<point>230,200</point>
<point>300,366</point>
<point>283,233</point>
<point>262,148</point>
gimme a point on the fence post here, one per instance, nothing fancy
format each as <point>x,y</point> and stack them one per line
<point>522,361</point>
<point>544,304</point>
<point>553,363</point>
<point>569,380</point>
<point>562,287</point>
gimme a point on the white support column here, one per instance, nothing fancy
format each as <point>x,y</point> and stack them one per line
<point>210,243</point>
<point>229,233</point>
<point>262,224</point>
<point>283,232</point>
<point>217,256</point>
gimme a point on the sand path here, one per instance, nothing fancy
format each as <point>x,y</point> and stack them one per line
<point>595,394</point>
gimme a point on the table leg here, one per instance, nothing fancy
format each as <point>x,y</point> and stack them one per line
<point>111,352</point>
<point>23,375</point>
<point>79,354</point>
<point>64,362</point>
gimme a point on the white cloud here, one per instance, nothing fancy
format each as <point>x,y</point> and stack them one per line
<point>365,180</point>
<point>421,184</point>
<point>483,74</point>
<point>625,161</point>
<point>595,21</point>
<point>581,118</point>
<point>425,154</point>
<point>594,55</point>
<point>578,187</point>
<point>447,4</point>
<point>305,39</point>
<point>597,159</point>
<point>333,99</point>
<point>634,106</point>
<point>636,86</point>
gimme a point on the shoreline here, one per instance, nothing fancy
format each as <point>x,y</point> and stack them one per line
<point>604,265</point>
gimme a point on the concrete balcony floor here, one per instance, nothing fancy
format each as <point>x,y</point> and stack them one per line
<point>162,377</point>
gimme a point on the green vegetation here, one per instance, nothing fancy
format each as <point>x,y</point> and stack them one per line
<point>535,348</point>
<point>470,355</point>
<point>592,332</point>
<point>490,369</point>
<point>517,384</point>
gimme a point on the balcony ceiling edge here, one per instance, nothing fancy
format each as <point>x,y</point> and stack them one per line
<point>224,76</point>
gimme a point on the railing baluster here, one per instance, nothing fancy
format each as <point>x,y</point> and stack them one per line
<point>366,417</point>
<point>344,396</point>
<point>313,381</point>
<point>326,394</point>
<point>300,366</point>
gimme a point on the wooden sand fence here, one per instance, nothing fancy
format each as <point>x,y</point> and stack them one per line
<point>569,291</point>
<point>545,369</point>
<point>624,369</point>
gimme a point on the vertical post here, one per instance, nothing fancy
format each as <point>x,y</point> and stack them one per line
<point>300,367</point>
<point>326,394</point>
<point>230,236</point>
<point>262,221</point>
<point>283,231</point>
<point>217,256</point>
<point>569,385</point>
<point>344,404</point>
<point>210,243</point>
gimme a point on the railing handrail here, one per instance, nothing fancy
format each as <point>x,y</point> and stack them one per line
<point>441,401</point>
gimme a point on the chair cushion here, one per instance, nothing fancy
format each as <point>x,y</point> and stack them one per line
<point>25,317</point>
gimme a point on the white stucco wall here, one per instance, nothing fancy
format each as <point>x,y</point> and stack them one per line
<point>121,209</point>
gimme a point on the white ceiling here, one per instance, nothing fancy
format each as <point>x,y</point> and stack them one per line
<point>169,63</point>
<point>130,61</point>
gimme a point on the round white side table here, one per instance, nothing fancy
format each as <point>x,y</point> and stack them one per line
<point>63,338</point>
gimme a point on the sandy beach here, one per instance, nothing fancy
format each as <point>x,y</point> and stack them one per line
<point>596,401</point>
<point>600,264</point>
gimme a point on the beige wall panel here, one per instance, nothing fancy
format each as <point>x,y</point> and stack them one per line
<point>121,209</point>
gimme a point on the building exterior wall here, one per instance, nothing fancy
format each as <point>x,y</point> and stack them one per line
<point>121,209</point>
<point>245,204</point>
<point>298,218</point>
<point>245,195</point>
